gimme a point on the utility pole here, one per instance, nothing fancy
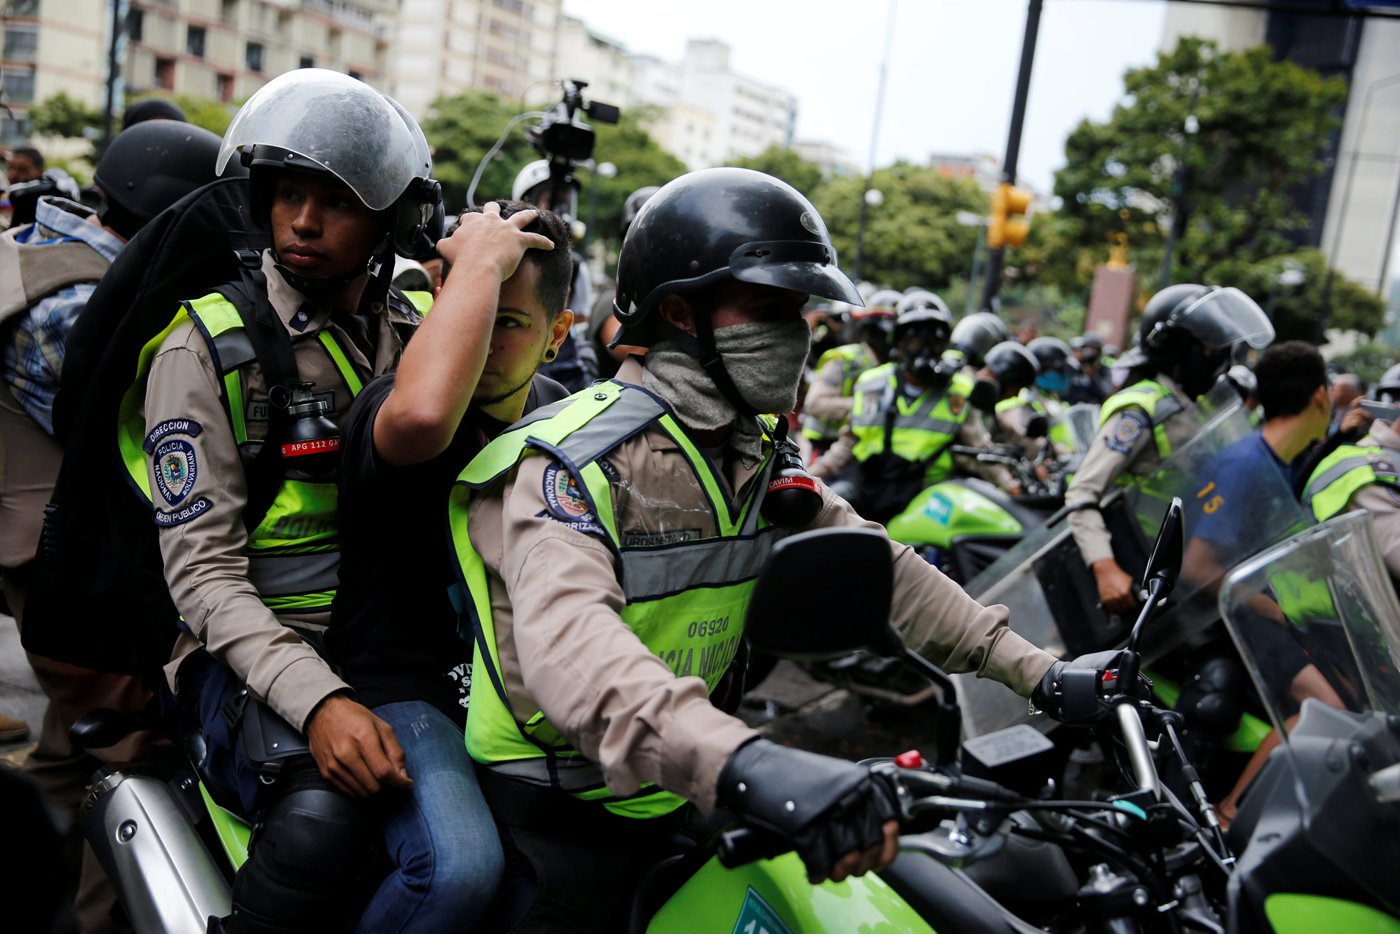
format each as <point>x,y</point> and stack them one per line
<point>1191,128</point>
<point>866,201</point>
<point>112,71</point>
<point>996,255</point>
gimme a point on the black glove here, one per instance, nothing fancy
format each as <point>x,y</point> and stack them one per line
<point>825,807</point>
<point>1076,698</point>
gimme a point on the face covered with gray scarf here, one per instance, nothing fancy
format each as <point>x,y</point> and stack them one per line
<point>763,340</point>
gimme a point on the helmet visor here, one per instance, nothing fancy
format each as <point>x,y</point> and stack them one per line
<point>1224,317</point>
<point>341,124</point>
<point>799,265</point>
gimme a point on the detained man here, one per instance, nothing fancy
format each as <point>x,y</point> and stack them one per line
<point>468,373</point>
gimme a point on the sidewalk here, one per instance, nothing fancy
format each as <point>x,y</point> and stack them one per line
<point>19,691</point>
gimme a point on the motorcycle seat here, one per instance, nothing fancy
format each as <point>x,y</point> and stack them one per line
<point>948,900</point>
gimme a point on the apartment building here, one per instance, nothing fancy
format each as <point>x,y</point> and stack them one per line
<point>227,49</point>
<point>601,61</point>
<point>448,46</point>
<point>51,46</point>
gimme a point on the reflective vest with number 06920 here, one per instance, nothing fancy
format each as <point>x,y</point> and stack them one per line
<point>294,552</point>
<point>924,427</point>
<point>684,600</point>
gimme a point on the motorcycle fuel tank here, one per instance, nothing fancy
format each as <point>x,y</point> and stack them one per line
<point>949,510</point>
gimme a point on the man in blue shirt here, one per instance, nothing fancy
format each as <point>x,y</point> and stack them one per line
<point>1242,496</point>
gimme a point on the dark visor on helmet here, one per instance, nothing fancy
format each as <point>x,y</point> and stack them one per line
<point>799,265</point>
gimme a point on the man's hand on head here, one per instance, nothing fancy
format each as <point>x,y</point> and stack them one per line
<point>355,750</point>
<point>486,239</point>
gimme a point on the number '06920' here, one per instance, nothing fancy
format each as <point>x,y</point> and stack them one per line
<point>707,627</point>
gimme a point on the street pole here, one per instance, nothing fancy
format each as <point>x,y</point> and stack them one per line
<point>995,257</point>
<point>977,255</point>
<point>874,138</point>
<point>1192,126</point>
<point>112,68</point>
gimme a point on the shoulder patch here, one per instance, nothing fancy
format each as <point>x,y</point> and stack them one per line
<point>176,469</point>
<point>1125,432</point>
<point>563,497</point>
<point>586,525</point>
<point>194,510</point>
<point>955,404</point>
<point>171,426</point>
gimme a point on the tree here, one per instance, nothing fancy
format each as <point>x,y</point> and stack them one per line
<point>640,162</point>
<point>61,115</point>
<point>461,129</point>
<point>1298,310</point>
<point>913,237</point>
<point>784,163</point>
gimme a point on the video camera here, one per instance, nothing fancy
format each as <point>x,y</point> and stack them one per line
<point>566,142</point>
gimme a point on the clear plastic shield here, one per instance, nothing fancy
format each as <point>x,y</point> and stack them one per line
<point>1238,502</point>
<point>340,123</point>
<point>1082,422</point>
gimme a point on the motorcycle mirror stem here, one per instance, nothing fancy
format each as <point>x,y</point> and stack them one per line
<point>1163,569</point>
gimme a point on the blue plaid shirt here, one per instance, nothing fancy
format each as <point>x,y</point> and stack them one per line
<point>33,351</point>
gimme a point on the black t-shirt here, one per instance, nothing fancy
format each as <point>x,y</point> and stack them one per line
<point>393,630</point>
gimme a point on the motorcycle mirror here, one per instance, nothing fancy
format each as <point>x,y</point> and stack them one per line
<point>1038,426</point>
<point>823,594</point>
<point>1168,552</point>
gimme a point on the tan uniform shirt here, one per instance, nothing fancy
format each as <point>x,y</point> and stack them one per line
<point>973,434</point>
<point>1382,501</point>
<point>824,398</point>
<point>205,562</point>
<point>1125,443</point>
<point>564,649</point>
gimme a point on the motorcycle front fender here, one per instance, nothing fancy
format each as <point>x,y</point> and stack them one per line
<point>774,895</point>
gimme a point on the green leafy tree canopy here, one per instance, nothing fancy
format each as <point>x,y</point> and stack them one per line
<point>61,115</point>
<point>912,238</point>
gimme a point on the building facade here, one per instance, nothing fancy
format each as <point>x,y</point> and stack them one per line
<point>51,46</point>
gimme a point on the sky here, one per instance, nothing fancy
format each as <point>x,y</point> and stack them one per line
<point>952,69</point>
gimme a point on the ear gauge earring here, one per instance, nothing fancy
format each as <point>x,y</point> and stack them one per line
<point>550,354</point>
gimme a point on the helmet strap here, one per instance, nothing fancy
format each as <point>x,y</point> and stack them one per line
<point>701,346</point>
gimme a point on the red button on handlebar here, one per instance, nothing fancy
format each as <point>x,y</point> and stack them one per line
<point>909,760</point>
<point>1110,676</point>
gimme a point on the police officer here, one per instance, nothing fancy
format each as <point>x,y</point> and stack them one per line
<point>1184,345</point>
<point>58,260</point>
<point>1092,383</point>
<point>1013,415</point>
<point>604,618</point>
<point>828,403</point>
<point>1364,475</point>
<point>248,531</point>
<point>907,415</point>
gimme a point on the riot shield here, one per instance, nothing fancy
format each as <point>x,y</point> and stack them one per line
<point>1052,595</point>
<point>1082,422</point>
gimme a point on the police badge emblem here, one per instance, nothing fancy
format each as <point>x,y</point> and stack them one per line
<point>176,470</point>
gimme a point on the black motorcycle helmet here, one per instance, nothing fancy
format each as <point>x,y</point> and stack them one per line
<point>705,228</point>
<point>1091,348</point>
<point>633,204</point>
<point>152,108</point>
<point>149,167</point>
<point>978,333</point>
<point>1190,331</point>
<point>1051,353</point>
<point>1008,368</point>
<point>297,122</point>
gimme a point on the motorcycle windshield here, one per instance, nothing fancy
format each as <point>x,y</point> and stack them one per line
<point>1321,598</point>
<point>1238,502</point>
<point>1082,420</point>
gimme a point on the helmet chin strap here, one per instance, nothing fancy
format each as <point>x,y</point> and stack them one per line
<point>701,346</point>
<point>321,288</point>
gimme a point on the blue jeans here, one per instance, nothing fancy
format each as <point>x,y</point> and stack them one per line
<point>440,835</point>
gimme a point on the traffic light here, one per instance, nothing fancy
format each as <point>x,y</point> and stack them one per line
<point>1002,230</point>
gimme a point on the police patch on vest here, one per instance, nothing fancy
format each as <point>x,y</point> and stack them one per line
<point>1131,424</point>
<point>652,539</point>
<point>194,510</point>
<point>955,404</point>
<point>176,470</point>
<point>171,426</point>
<point>562,495</point>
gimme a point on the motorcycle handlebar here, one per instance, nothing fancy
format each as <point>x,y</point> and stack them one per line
<point>743,845</point>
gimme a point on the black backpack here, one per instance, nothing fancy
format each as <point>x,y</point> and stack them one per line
<point>98,596</point>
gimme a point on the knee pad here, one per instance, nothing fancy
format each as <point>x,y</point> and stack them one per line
<point>309,845</point>
<point>1212,699</point>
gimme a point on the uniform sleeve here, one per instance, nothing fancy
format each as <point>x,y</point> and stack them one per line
<point>941,622</point>
<point>1383,503</point>
<point>606,693</point>
<point>824,399</point>
<point>838,457</point>
<point>198,491</point>
<point>1118,443</point>
<point>974,434</point>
